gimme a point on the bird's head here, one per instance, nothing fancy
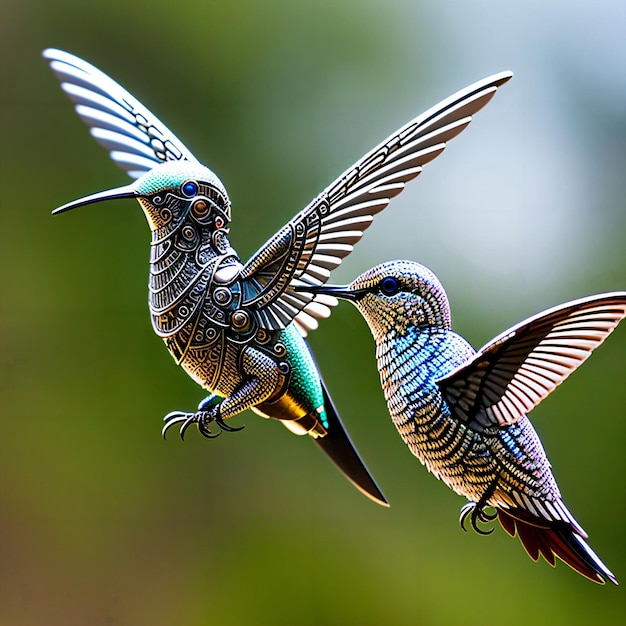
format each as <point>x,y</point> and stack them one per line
<point>394,296</point>
<point>172,193</point>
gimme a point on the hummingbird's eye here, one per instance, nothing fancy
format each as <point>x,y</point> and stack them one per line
<point>189,189</point>
<point>389,286</point>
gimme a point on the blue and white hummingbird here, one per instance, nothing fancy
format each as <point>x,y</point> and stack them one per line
<point>237,329</point>
<point>462,413</point>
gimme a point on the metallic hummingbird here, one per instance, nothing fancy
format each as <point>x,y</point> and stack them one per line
<point>238,329</point>
<point>463,413</point>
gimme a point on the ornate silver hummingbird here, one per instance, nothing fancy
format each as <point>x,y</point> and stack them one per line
<point>238,329</point>
<point>462,413</point>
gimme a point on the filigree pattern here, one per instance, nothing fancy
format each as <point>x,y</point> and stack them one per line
<point>230,326</point>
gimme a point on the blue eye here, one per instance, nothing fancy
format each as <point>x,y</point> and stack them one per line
<point>389,286</point>
<point>189,189</point>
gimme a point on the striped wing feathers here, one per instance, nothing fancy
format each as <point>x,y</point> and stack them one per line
<point>316,240</point>
<point>135,138</point>
<point>513,373</point>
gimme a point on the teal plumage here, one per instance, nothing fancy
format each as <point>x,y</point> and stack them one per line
<point>238,328</point>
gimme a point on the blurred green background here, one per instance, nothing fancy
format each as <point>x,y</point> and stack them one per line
<point>101,521</point>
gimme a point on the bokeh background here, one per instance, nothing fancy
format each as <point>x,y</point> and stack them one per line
<point>101,521</point>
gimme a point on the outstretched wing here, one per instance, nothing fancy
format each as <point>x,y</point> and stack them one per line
<point>134,137</point>
<point>315,241</point>
<point>513,373</point>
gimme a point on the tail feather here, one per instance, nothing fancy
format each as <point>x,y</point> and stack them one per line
<point>339,447</point>
<point>552,539</point>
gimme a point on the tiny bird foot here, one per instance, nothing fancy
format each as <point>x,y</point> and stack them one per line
<point>201,419</point>
<point>477,514</point>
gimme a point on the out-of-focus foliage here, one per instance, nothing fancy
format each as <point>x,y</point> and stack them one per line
<point>101,522</point>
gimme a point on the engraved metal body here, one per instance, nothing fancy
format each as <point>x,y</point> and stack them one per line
<point>462,413</point>
<point>237,329</point>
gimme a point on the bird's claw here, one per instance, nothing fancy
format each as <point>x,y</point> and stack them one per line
<point>477,514</point>
<point>202,418</point>
<point>230,429</point>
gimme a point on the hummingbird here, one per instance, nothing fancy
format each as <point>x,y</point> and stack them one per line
<point>238,329</point>
<point>463,413</point>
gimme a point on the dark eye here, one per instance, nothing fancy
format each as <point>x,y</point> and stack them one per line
<point>389,286</point>
<point>189,189</point>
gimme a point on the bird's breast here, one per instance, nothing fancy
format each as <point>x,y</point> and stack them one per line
<point>410,365</point>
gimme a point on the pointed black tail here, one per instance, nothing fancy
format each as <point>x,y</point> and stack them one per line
<point>339,447</point>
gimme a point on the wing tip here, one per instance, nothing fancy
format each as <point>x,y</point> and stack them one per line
<point>500,78</point>
<point>56,55</point>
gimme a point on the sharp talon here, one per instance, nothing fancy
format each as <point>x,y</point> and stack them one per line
<point>189,420</point>
<point>202,419</point>
<point>172,418</point>
<point>484,533</point>
<point>465,511</point>
<point>229,429</point>
<point>477,514</point>
<point>487,517</point>
<point>205,432</point>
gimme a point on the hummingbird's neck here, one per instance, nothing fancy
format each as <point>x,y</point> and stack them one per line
<point>422,355</point>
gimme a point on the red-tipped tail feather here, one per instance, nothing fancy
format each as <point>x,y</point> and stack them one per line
<point>555,539</point>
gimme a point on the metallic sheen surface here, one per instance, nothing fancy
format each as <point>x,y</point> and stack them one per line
<point>238,329</point>
<point>462,413</point>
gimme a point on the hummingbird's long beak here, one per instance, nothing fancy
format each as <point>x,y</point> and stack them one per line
<point>127,191</point>
<point>343,292</point>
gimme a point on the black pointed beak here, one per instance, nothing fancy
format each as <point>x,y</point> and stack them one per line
<point>343,292</point>
<point>128,191</point>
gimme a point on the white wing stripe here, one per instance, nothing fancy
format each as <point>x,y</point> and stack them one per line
<point>80,95</point>
<point>317,309</point>
<point>99,100</point>
<point>125,159</point>
<point>335,220</point>
<point>390,190</point>
<point>326,259</point>
<point>113,141</point>
<point>439,136</point>
<point>296,299</point>
<point>361,209</point>
<point>370,192</point>
<point>402,164</point>
<point>66,72</point>
<point>360,222</point>
<point>305,323</point>
<point>102,119</point>
<point>317,272</point>
<point>465,108</point>
<point>346,237</point>
<point>336,247</point>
